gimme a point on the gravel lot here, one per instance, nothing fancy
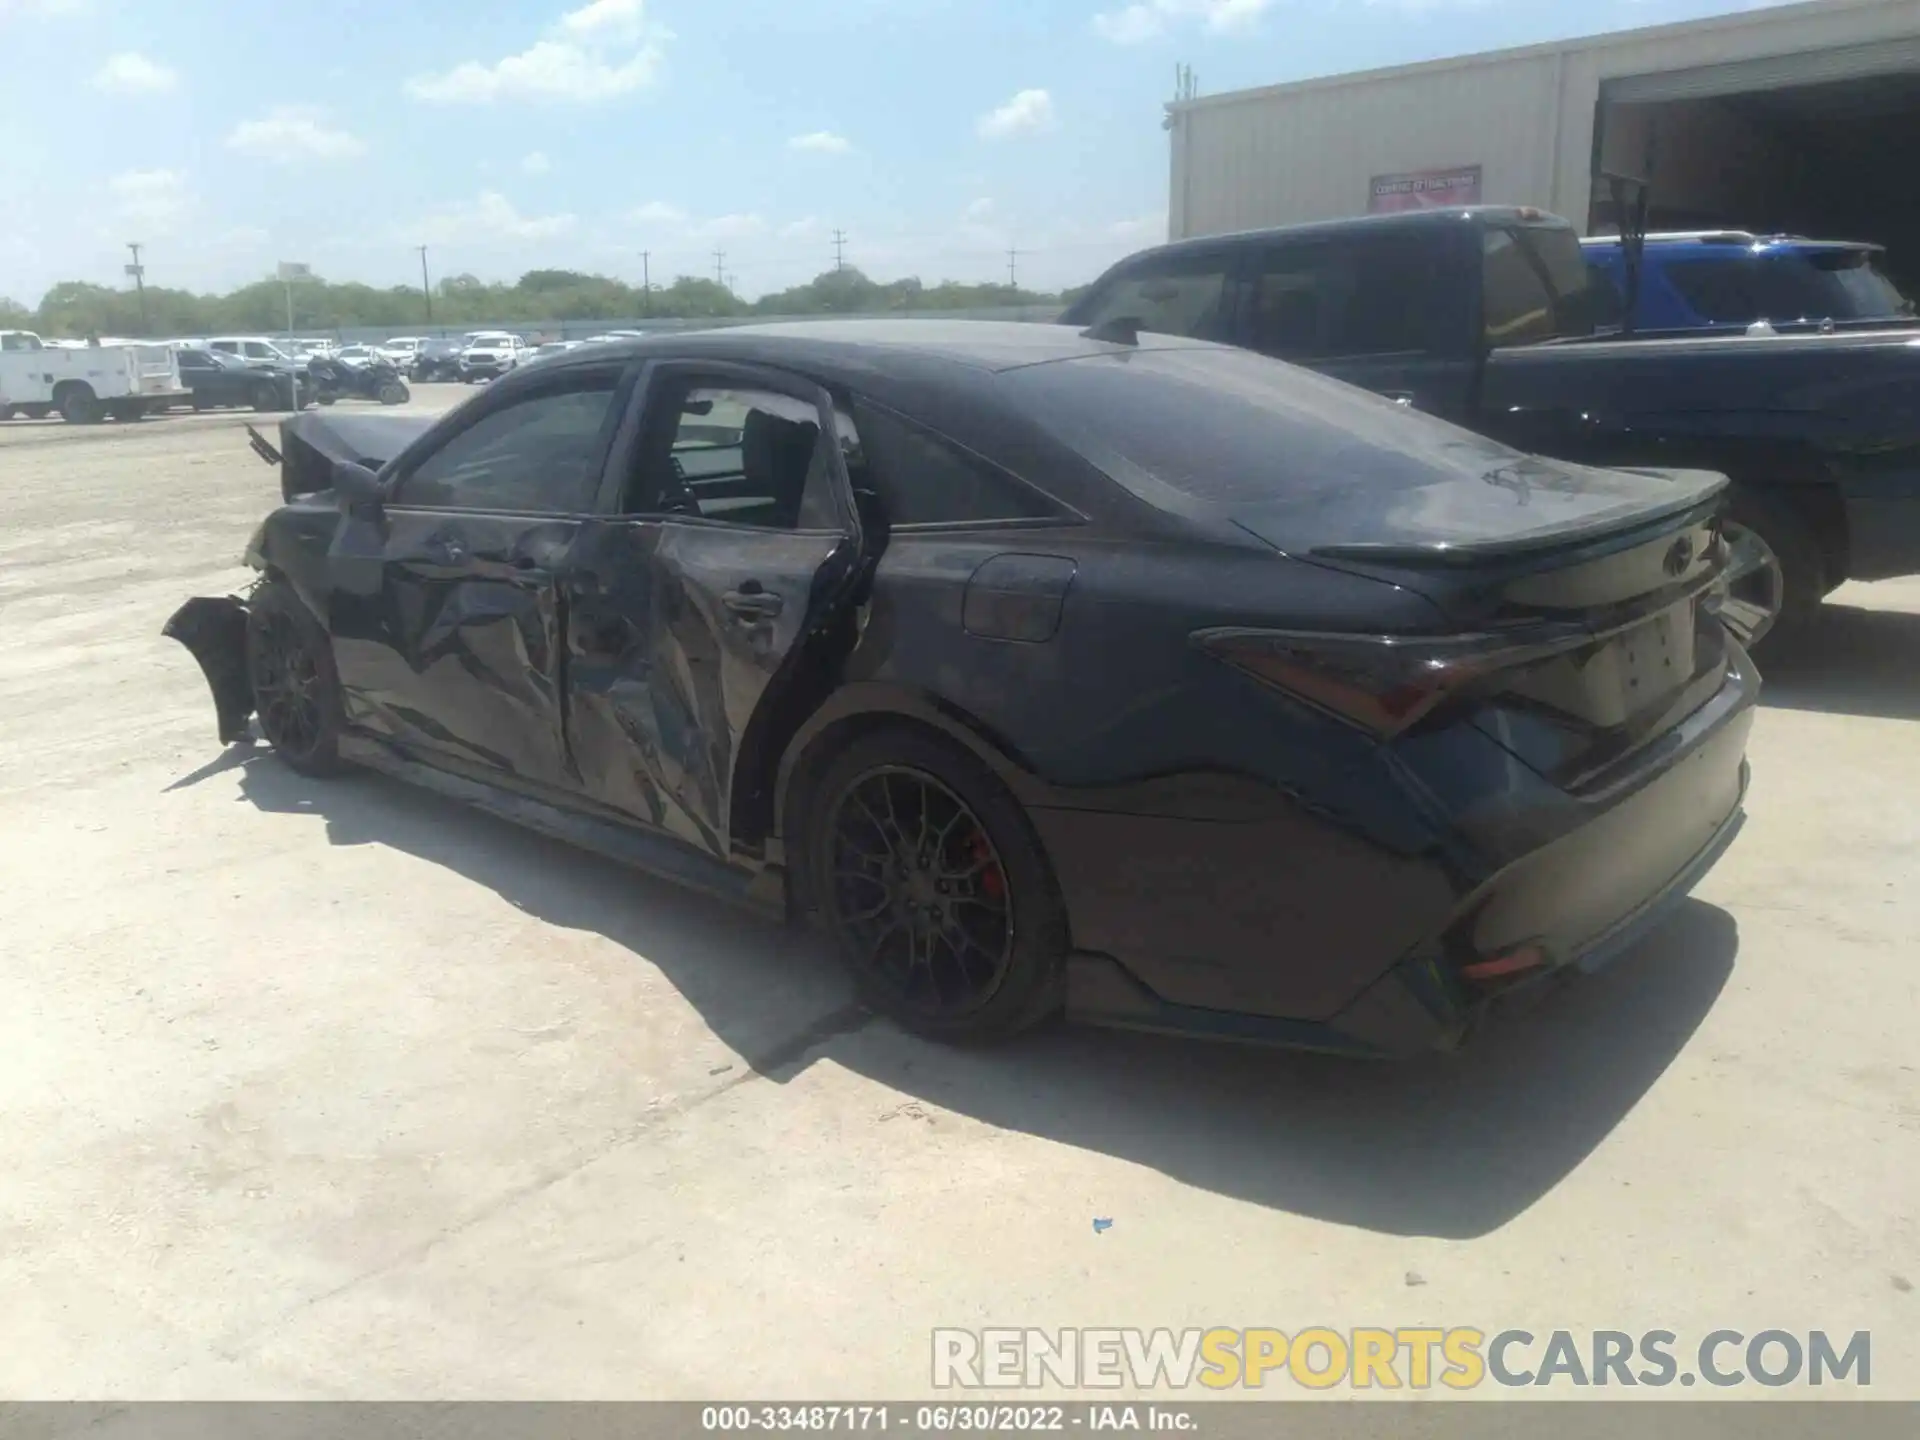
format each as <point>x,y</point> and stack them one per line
<point>336,1090</point>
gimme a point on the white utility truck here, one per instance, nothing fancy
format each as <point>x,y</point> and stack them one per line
<point>87,383</point>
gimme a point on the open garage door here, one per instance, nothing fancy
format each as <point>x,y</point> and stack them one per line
<point>1817,144</point>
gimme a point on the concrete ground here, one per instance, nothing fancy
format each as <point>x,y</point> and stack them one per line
<point>328,1090</point>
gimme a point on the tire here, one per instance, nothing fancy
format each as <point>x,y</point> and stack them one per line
<point>1767,532</point>
<point>296,691</point>
<point>988,885</point>
<point>264,397</point>
<point>36,412</point>
<point>394,393</point>
<point>325,397</point>
<point>7,412</point>
<point>77,404</point>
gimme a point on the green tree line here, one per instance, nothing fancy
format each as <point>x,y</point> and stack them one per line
<point>77,309</point>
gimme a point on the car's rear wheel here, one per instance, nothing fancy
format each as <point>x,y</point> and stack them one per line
<point>296,692</point>
<point>394,393</point>
<point>265,397</point>
<point>928,876</point>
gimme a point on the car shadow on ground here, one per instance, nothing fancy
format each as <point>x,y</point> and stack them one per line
<point>1449,1146</point>
<point>1855,662</point>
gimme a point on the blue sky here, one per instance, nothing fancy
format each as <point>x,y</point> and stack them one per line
<point>936,134</point>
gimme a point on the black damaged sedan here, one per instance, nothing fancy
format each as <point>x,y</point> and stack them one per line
<point>1144,679</point>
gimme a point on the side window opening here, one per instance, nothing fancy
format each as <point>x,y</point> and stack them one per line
<point>1517,307</point>
<point>924,479</point>
<point>540,455</point>
<point>1365,297</point>
<point>734,454</point>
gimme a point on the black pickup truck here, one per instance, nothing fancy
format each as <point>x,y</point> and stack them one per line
<point>1486,316</point>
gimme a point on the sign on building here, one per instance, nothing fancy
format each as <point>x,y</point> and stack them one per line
<point>1425,190</point>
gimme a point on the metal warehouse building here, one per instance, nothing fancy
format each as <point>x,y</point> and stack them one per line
<point>1803,119</point>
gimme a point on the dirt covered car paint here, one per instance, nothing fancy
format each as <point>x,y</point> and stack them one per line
<point>1214,785</point>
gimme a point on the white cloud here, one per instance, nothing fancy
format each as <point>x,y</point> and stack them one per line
<point>130,73</point>
<point>824,141</point>
<point>600,51</point>
<point>615,21</point>
<point>800,229</point>
<point>155,198</point>
<point>1025,113</point>
<point>1149,19</point>
<point>657,212</point>
<point>981,209</point>
<point>490,216</point>
<point>1132,26</point>
<point>244,237</point>
<point>1141,229</point>
<point>40,9</point>
<point>728,227</point>
<point>291,133</point>
<point>536,163</point>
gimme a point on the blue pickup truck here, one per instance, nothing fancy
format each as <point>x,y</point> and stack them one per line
<point>1713,280</point>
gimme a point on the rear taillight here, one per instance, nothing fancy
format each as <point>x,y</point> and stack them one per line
<point>1385,684</point>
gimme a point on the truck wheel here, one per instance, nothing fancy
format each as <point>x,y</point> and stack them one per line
<point>394,393</point>
<point>7,412</point>
<point>35,412</point>
<point>77,403</point>
<point>928,876</point>
<point>265,397</point>
<point>1776,575</point>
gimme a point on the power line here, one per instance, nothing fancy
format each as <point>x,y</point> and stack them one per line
<point>646,280</point>
<point>1013,274</point>
<point>720,268</point>
<point>839,249</point>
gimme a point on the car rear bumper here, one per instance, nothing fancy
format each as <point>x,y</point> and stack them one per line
<point>1325,943</point>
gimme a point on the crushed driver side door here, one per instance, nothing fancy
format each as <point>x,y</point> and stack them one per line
<point>700,611</point>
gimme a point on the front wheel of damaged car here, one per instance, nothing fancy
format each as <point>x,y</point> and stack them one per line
<point>296,692</point>
<point>928,876</point>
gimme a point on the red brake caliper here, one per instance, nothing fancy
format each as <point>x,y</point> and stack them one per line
<point>992,884</point>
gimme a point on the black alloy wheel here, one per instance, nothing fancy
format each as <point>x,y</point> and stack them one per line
<point>919,893</point>
<point>295,691</point>
<point>915,856</point>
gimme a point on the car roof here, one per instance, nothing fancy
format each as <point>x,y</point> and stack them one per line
<point>1395,223</point>
<point>980,345</point>
<point>1733,241</point>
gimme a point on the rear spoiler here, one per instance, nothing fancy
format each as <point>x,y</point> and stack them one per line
<point>1698,504</point>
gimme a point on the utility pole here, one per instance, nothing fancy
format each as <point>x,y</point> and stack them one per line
<point>426,290</point>
<point>720,268</point>
<point>646,282</point>
<point>139,273</point>
<point>839,249</point>
<point>1013,280</point>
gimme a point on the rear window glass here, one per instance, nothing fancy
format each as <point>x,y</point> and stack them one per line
<point>1827,285</point>
<point>1229,427</point>
<point>1182,295</point>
